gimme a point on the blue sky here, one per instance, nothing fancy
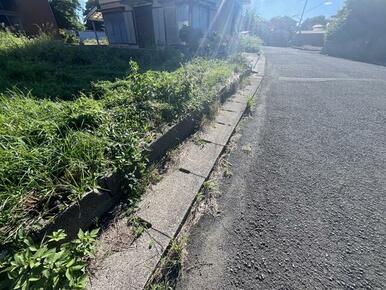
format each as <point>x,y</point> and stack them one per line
<point>271,8</point>
<point>82,2</point>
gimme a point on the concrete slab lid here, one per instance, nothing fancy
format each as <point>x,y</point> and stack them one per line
<point>132,268</point>
<point>217,133</point>
<point>227,117</point>
<point>233,107</point>
<point>199,159</point>
<point>166,203</point>
<point>240,97</point>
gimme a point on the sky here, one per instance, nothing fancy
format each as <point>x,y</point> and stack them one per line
<point>271,8</point>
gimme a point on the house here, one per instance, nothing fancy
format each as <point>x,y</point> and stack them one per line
<point>156,23</point>
<point>30,16</point>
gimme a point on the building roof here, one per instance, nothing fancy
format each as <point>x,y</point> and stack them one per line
<point>95,15</point>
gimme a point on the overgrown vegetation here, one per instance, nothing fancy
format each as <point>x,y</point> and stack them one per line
<point>53,152</point>
<point>48,265</point>
<point>167,273</point>
<point>249,43</point>
<point>275,32</point>
<point>65,121</point>
<point>53,69</point>
<point>358,31</point>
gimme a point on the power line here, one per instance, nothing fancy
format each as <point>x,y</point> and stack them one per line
<point>301,17</point>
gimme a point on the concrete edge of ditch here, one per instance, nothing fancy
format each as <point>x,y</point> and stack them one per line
<point>167,205</point>
<point>97,202</point>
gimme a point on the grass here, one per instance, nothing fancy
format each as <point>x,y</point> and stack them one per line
<point>53,69</point>
<point>52,151</point>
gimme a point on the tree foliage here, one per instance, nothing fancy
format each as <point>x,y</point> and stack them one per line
<point>277,32</point>
<point>358,31</point>
<point>66,13</point>
<point>251,22</point>
<point>281,31</point>
<point>310,22</point>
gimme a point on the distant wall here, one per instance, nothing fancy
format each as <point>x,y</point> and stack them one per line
<point>310,38</point>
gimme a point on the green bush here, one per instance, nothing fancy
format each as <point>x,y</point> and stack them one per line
<point>358,31</point>
<point>249,43</point>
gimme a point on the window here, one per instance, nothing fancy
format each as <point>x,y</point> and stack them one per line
<point>159,25</point>
<point>120,27</point>
<point>182,15</point>
<point>200,17</point>
<point>171,25</point>
<point>131,29</point>
<point>195,16</point>
<point>204,18</point>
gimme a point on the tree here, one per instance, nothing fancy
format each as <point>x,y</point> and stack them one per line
<point>358,31</point>
<point>250,21</point>
<point>90,4</point>
<point>310,22</point>
<point>66,13</point>
<point>282,30</point>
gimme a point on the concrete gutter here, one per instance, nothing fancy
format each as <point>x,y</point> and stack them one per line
<point>166,205</point>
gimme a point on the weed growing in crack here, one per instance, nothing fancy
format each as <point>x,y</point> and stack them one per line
<point>200,196</point>
<point>227,169</point>
<point>170,266</point>
<point>251,102</point>
<point>138,226</point>
<point>211,186</point>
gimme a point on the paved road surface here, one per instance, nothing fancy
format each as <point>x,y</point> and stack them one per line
<point>306,207</point>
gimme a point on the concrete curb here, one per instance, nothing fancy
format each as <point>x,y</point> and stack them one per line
<point>308,48</point>
<point>95,203</point>
<point>166,206</point>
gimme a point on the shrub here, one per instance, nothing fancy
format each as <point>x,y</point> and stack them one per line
<point>46,266</point>
<point>191,36</point>
<point>358,31</point>
<point>249,43</point>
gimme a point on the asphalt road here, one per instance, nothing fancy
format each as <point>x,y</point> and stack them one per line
<point>306,205</point>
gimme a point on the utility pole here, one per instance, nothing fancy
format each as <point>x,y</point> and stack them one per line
<point>301,17</point>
